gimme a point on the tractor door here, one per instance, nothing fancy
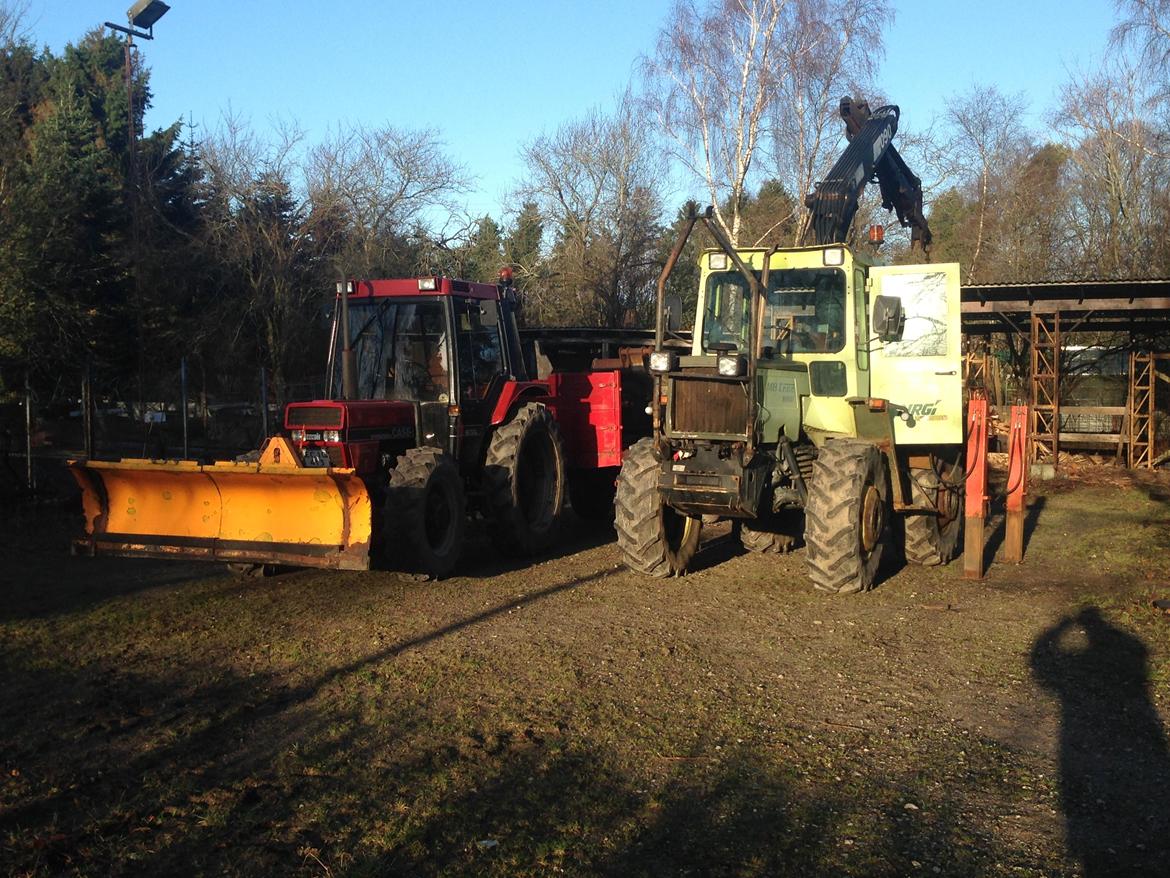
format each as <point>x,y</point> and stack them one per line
<point>922,372</point>
<point>479,346</point>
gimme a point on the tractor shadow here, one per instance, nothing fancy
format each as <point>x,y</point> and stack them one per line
<point>719,543</point>
<point>41,579</point>
<point>246,775</point>
<point>574,534</point>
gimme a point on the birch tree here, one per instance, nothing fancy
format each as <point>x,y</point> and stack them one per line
<point>829,50</point>
<point>711,84</point>
<point>987,126</point>
<point>748,89</point>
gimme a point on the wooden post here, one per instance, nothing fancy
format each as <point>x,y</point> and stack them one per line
<point>975,510</point>
<point>183,405</point>
<point>263,405</point>
<point>87,411</point>
<point>30,473</point>
<point>1017,486</point>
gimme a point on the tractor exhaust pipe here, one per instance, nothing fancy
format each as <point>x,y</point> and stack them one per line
<point>348,364</point>
<point>659,308</point>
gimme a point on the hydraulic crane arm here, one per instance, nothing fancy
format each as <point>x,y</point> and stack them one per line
<point>870,153</point>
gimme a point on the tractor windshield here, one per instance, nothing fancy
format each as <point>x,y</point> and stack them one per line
<point>401,350</point>
<point>728,308</point>
<point>804,313</point>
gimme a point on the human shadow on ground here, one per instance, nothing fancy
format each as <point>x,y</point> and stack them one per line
<point>1114,763</point>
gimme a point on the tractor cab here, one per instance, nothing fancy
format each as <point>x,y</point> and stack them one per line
<point>431,357</point>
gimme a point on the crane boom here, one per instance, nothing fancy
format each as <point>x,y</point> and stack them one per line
<point>870,153</point>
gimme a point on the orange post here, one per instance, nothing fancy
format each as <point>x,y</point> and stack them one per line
<point>976,488</point>
<point>1017,486</point>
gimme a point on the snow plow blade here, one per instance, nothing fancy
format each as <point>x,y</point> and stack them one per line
<point>262,513</point>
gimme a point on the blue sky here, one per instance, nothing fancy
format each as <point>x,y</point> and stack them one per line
<point>491,75</point>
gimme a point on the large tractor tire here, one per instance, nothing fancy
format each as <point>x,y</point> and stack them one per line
<point>425,515</point>
<point>591,493</point>
<point>654,539</point>
<point>847,516</point>
<point>524,481</point>
<point>931,540</point>
<point>777,534</point>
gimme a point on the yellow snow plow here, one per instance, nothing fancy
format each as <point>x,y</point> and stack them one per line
<point>272,511</point>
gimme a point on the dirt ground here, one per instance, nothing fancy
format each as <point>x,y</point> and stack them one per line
<point>573,718</point>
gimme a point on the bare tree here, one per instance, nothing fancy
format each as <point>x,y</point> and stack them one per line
<point>741,76</point>
<point>381,185</point>
<point>710,84</point>
<point>13,14</point>
<point>1145,24</point>
<point>261,222</point>
<point>988,130</point>
<point>1119,164</point>
<point>595,181</point>
<point>828,50</point>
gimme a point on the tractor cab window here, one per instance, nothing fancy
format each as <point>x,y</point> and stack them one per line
<point>728,309</point>
<point>480,350</point>
<point>401,350</point>
<point>805,312</point>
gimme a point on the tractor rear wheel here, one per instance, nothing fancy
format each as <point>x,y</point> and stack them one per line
<point>524,480</point>
<point>847,516</point>
<point>425,515</point>
<point>591,493</point>
<point>931,540</point>
<point>654,538</point>
<point>776,534</point>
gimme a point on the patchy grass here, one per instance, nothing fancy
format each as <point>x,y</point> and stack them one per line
<point>572,718</point>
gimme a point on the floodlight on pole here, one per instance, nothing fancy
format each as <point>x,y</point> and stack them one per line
<point>142,15</point>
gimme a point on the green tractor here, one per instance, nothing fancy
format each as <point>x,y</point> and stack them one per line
<point>819,398</point>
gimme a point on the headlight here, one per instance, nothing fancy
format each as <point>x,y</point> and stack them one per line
<point>298,435</point>
<point>718,261</point>
<point>732,366</point>
<point>835,256</point>
<point>662,361</point>
<point>331,436</point>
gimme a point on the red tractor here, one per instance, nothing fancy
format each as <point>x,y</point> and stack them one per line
<point>435,414</point>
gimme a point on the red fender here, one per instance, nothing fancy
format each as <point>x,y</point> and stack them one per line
<point>514,392</point>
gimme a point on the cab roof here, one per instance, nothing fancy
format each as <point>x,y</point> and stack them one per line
<point>427,285</point>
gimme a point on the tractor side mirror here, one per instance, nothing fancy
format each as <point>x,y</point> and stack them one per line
<point>673,308</point>
<point>888,318</point>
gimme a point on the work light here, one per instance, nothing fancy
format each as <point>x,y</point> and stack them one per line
<point>663,361</point>
<point>732,366</point>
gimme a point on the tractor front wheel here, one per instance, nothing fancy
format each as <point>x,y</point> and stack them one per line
<point>524,481</point>
<point>654,539</point>
<point>847,516</point>
<point>425,515</point>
